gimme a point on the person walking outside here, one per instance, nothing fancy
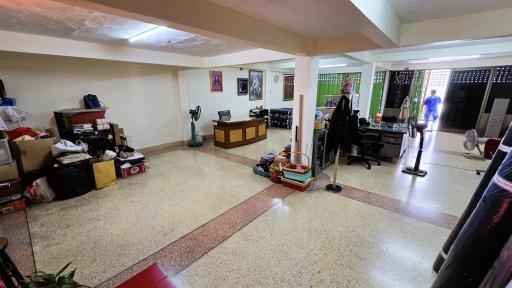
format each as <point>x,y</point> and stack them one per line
<point>431,105</point>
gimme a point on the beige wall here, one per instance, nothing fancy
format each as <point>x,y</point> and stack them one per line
<point>143,99</point>
<point>195,90</point>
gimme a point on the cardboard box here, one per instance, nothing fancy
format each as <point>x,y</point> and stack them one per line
<point>33,155</point>
<point>9,171</point>
<point>130,170</point>
<point>12,207</point>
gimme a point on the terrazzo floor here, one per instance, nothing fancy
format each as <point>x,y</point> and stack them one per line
<point>209,222</point>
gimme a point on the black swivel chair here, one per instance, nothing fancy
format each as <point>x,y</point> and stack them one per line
<point>366,143</point>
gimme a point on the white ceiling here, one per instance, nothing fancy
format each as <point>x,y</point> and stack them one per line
<point>45,17</point>
<point>310,18</point>
<point>420,10</point>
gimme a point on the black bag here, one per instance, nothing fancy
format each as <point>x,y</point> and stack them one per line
<point>91,102</point>
<point>70,180</point>
<point>2,90</point>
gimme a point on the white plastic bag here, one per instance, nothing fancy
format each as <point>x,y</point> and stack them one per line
<point>65,146</point>
<point>40,191</point>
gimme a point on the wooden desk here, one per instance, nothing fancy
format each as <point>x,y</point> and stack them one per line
<point>239,131</point>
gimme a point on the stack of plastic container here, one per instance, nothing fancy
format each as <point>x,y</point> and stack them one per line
<point>297,175</point>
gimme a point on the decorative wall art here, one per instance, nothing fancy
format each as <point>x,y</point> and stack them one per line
<point>288,87</point>
<point>255,85</point>
<point>242,85</point>
<point>216,81</point>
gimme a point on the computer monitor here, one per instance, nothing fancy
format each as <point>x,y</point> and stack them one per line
<point>224,115</point>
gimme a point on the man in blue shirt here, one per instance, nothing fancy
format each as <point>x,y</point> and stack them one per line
<point>431,106</point>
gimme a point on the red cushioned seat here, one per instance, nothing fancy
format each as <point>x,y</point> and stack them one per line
<point>151,277</point>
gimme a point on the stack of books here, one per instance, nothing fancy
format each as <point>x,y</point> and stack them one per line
<point>81,128</point>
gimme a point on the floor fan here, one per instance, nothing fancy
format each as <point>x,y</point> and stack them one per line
<point>472,141</point>
<point>195,114</point>
<point>420,127</point>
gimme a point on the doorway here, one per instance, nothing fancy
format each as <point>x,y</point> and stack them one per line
<point>435,80</point>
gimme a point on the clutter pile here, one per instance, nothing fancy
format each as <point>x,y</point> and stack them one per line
<point>92,153</point>
<point>280,169</point>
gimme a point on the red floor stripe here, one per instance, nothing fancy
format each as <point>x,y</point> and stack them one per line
<point>180,254</point>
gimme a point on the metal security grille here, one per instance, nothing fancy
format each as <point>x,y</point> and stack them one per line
<point>470,76</point>
<point>399,87</point>
<point>501,87</point>
<point>379,79</point>
<point>464,99</point>
<point>503,75</point>
<point>330,84</point>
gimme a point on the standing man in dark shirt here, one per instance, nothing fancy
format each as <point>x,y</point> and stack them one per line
<point>431,107</point>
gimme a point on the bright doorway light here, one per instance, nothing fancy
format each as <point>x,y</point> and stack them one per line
<point>333,65</point>
<point>147,33</point>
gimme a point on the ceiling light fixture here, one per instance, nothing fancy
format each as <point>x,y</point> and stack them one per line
<point>333,65</point>
<point>452,58</point>
<point>147,33</point>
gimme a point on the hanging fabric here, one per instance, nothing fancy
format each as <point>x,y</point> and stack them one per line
<point>483,236</point>
<point>339,135</point>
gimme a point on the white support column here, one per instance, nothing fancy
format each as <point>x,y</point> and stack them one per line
<point>365,91</point>
<point>305,83</point>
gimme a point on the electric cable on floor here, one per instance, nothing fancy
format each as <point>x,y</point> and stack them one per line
<point>449,166</point>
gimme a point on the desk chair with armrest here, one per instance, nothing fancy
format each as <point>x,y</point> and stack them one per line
<point>366,143</point>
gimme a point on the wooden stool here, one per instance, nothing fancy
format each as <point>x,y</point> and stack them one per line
<point>9,273</point>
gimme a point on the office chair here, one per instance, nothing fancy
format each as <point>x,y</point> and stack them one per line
<point>366,143</point>
<point>224,114</point>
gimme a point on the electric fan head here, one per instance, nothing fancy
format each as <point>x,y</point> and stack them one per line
<point>195,113</point>
<point>471,140</point>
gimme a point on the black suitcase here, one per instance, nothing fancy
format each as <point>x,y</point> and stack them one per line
<point>70,180</point>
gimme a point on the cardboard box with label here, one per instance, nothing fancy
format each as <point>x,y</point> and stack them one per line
<point>9,171</point>
<point>34,154</point>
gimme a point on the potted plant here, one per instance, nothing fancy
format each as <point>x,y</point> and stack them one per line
<point>42,279</point>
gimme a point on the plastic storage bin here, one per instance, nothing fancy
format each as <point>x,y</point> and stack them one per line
<point>5,152</point>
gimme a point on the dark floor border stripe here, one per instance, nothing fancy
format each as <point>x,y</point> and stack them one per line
<point>181,253</point>
<point>418,212</point>
<point>15,228</point>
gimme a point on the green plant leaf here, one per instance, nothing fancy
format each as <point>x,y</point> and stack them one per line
<point>63,269</point>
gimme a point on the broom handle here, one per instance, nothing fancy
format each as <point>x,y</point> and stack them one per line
<point>335,167</point>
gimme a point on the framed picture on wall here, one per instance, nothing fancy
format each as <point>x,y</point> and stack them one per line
<point>242,85</point>
<point>288,87</point>
<point>216,81</point>
<point>255,85</point>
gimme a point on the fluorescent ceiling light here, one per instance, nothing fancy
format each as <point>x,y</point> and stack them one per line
<point>442,59</point>
<point>452,58</point>
<point>147,33</point>
<point>333,65</point>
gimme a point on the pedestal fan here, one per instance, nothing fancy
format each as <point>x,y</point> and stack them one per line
<point>195,114</point>
<point>472,141</point>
